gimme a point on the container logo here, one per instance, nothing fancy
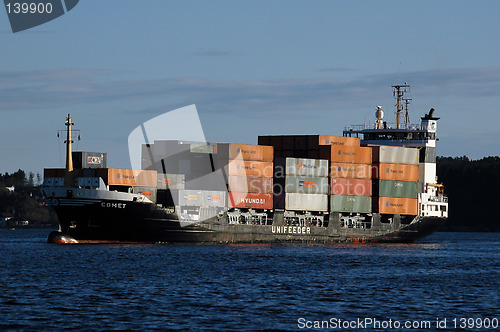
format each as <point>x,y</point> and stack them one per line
<point>94,160</point>
<point>214,198</point>
<point>238,150</point>
<point>387,204</point>
<point>340,152</point>
<point>307,184</point>
<point>118,175</point>
<point>191,197</point>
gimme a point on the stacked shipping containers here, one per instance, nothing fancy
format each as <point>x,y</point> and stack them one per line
<point>396,175</point>
<point>304,146</point>
<point>301,184</point>
<point>350,177</point>
<point>249,170</point>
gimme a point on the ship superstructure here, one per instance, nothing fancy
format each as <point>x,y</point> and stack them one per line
<point>432,200</point>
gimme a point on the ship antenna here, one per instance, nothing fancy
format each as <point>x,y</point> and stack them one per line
<point>69,178</point>
<point>399,91</point>
<point>407,114</point>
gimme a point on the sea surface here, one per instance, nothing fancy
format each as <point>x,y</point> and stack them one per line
<point>440,283</point>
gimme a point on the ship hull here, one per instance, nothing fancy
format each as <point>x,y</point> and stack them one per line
<point>88,220</point>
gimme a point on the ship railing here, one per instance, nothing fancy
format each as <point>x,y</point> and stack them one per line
<point>411,126</point>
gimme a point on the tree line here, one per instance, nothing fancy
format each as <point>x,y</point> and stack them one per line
<point>26,201</point>
<point>473,189</point>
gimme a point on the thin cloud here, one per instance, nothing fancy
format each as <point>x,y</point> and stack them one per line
<point>46,89</point>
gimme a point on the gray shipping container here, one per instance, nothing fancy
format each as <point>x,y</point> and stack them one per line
<point>214,198</point>
<point>306,202</point>
<point>300,167</point>
<point>303,185</point>
<point>189,197</point>
<point>428,154</point>
<point>149,192</point>
<point>201,148</point>
<point>84,159</point>
<point>390,188</point>
<point>354,204</point>
<point>395,155</point>
<point>171,181</point>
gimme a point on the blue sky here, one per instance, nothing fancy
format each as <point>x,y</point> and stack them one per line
<point>251,67</point>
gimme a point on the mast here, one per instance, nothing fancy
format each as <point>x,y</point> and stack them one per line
<point>69,178</point>
<point>399,91</point>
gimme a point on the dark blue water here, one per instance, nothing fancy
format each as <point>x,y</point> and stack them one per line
<point>251,288</point>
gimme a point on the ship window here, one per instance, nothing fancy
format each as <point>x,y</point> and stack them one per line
<point>443,208</point>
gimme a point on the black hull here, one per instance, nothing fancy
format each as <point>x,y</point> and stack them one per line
<point>139,222</point>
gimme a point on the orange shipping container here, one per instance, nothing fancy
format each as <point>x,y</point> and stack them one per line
<point>129,177</point>
<point>352,171</point>
<point>335,140</point>
<point>350,187</point>
<point>250,168</point>
<point>398,172</point>
<point>394,205</point>
<point>250,200</point>
<point>346,154</point>
<point>230,151</point>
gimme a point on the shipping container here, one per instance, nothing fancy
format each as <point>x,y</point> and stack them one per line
<point>352,171</point>
<point>301,185</point>
<point>301,202</point>
<point>211,181</point>
<point>171,181</point>
<point>128,177</point>
<point>276,142</point>
<point>346,154</point>
<point>54,172</point>
<point>427,155</point>
<point>264,140</point>
<point>250,184</point>
<point>350,187</point>
<point>202,148</point>
<point>230,151</point>
<point>394,155</point>
<point>288,142</point>
<point>391,188</point>
<point>149,192</point>
<point>187,197</point>
<point>353,204</point>
<point>300,167</point>
<point>315,140</point>
<point>214,198</point>
<point>300,142</point>
<point>250,168</point>
<point>250,201</point>
<point>84,159</point>
<point>398,172</point>
<point>395,205</point>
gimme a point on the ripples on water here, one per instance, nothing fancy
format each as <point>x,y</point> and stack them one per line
<point>243,287</point>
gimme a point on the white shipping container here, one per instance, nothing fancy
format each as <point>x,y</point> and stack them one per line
<point>306,202</point>
<point>300,167</point>
<point>395,155</point>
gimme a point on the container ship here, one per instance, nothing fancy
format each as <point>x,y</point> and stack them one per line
<point>375,183</point>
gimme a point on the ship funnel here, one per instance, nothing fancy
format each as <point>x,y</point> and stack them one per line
<point>379,114</point>
<point>431,113</point>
